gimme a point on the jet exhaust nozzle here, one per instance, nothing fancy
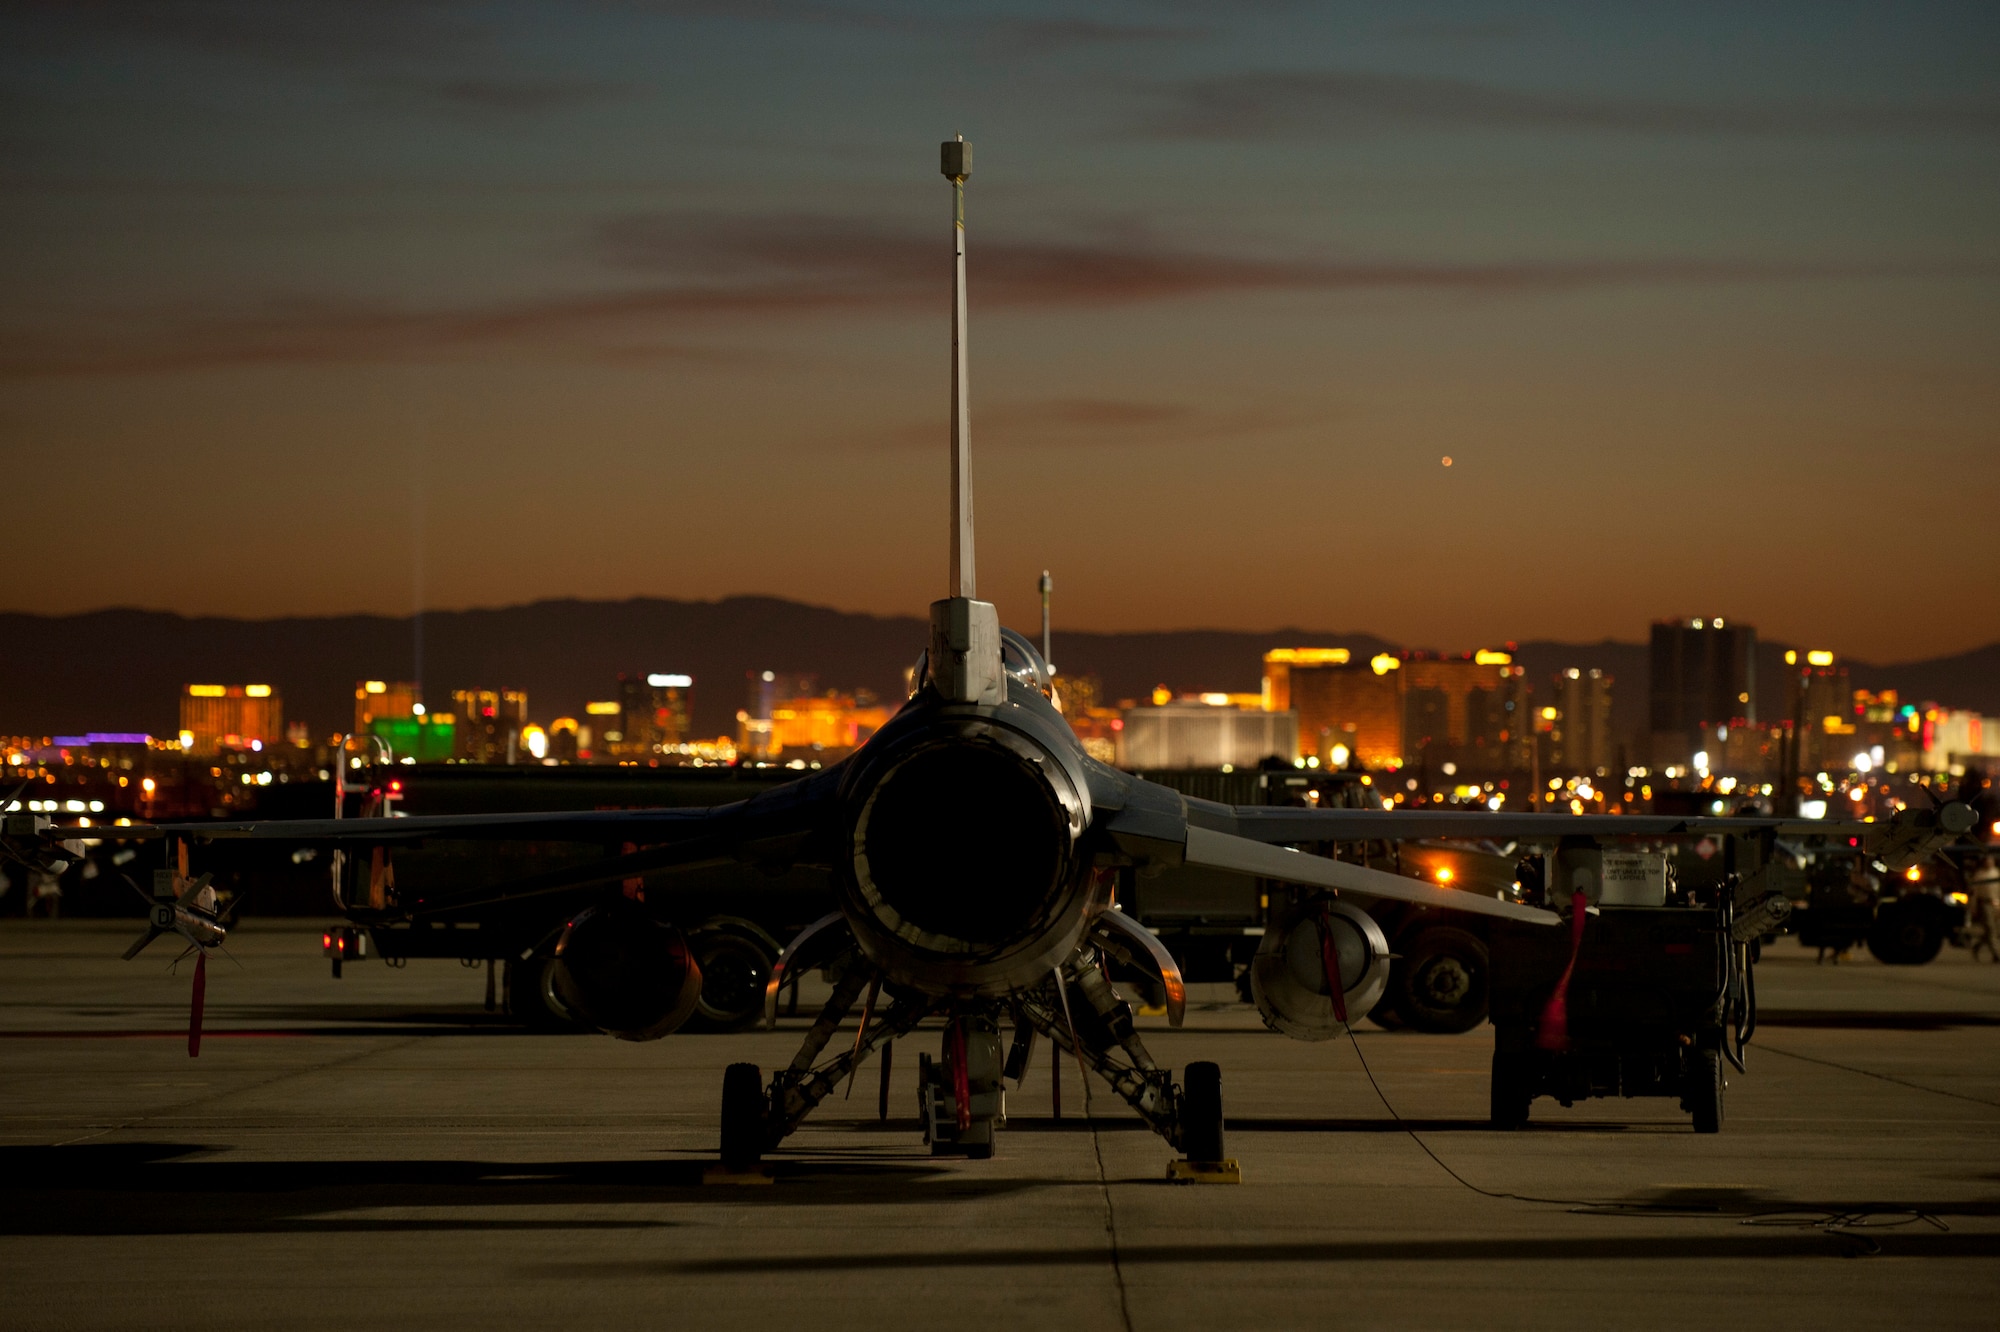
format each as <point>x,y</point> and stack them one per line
<point>626,972</point>
<point>964,872</point>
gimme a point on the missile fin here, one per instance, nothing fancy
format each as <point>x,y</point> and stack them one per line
<point>152,932</point>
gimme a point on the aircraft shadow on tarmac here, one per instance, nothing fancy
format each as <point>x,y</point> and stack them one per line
<point>330,1019</point>
<point>1874,1021</point>
<point>468,1015</point>
<point>129,1189</point>
<point>1804,1242</point>
<point>1077,1122</point>
<point>1750,1224</point>
<point>1389,1125</point>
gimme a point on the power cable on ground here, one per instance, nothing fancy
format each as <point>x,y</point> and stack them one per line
<point>1826,1219</point>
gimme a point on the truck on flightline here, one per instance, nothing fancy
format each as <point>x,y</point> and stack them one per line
<point>735,942</point>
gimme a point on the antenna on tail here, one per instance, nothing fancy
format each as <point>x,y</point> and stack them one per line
<point>965,632</point>
<point>956,156</point>
<point>1047,586</point>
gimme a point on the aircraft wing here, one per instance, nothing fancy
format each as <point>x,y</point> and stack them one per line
<point>1282,824</point>
<point>1152,824</point>
<point>1241,855</point>
<point>597,825</point>
<point>1904,838</point>
<point>778,828</point>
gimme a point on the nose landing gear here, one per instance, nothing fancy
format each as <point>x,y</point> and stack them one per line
<point>961,1100</point>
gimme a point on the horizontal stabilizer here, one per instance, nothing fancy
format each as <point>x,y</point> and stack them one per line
<point>1240,855</point>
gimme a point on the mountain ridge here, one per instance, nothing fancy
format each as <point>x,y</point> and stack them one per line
<point>122,668</point>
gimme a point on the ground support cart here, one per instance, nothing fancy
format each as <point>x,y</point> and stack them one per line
<point>1647,1003</point>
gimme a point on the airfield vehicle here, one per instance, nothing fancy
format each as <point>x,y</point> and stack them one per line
<point>1638,1000</point>
<point>1905,919</point>
<point>734,935</point>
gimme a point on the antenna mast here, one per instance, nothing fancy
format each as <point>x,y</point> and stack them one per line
<point>957,165</point>
<point>1048,586</point>
<point>964,657</point>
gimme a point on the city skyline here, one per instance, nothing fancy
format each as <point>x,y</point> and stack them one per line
<point>119,670</point>
<point>465,305</point>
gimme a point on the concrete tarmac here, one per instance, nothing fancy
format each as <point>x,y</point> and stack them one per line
<point>379,1150</point>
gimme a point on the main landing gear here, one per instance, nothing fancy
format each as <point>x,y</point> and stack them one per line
<point>962,1093</point>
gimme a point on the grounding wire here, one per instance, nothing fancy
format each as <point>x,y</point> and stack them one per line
<point>1808,1218</point>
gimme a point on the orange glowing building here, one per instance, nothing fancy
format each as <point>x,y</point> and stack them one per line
<point>827,723</point>
<point>391,700</point>
<point>1468,710</point>
<point>1342,704</point>
<point>217,717</point>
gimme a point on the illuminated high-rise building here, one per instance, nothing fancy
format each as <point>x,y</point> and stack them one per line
<point>653,714</point>
<point>1819,700</point>
<point>1349,712</point>
<point>1581,739</point>
<point>824,726</point>
<point>217,717</point>
<point>387,699</point>
<point>488,724</point>
<point>1196,734</point>
<point>1469,711</point>
<point>756,735</point>
<point>1096,726</point>
<point>603,727</point>
<point>1704,681</point>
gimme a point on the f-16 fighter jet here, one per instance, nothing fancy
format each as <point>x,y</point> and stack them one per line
<point>977,853</point>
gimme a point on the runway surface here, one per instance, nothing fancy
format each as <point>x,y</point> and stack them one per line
<point>378,1150</point>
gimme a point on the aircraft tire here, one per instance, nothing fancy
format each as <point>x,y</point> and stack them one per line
<point>735,965</point>
<point>743,1115</point>
<point>1511,1094</point>
<point>1440,985</point>
<point>1905,936</point>
<point>1704,1089</point>
<point>1201,1112</point>
<point>531,997</point>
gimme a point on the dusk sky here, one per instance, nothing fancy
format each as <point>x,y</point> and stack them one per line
<point>365,306</point>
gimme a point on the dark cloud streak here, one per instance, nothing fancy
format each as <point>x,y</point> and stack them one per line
<point>292,32</point>
<point>439,53</point>
<point>1070,423</point>
<point>1034,36</point>
<point>1261,105</point>
<point>519,96</point>
<point>892,265</point>
<point>689,277</point>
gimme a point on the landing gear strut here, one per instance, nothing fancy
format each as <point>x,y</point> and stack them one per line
<point>962,1093</point>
